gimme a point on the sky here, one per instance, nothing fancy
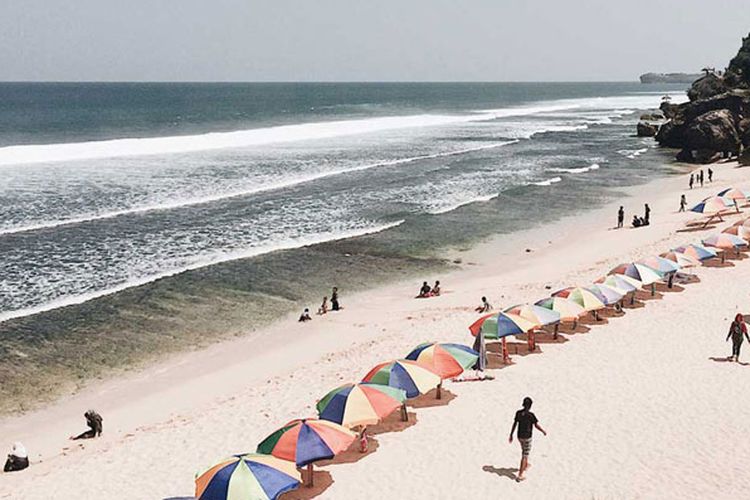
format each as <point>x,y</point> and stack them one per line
<point>364,40</point>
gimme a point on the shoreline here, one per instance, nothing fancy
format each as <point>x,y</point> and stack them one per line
<point>203,389</point>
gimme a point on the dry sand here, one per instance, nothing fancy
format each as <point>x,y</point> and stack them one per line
<point>635,408</point>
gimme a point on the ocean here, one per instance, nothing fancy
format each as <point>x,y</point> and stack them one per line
<point>204,208</point>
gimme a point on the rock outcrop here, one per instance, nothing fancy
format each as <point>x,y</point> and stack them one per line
<point>646,129</point>
<point>715,123</point>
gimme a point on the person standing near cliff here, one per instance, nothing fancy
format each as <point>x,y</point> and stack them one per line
<point>620,217</point>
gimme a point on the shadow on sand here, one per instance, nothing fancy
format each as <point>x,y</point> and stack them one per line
<point>727,360</point>
<point>509,472</point>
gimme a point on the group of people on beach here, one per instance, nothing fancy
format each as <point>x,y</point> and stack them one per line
<point>426,291</point>
<point>18,458</point>
<point>699,177</point>
<point>324,307</point>
<point>637,221</point>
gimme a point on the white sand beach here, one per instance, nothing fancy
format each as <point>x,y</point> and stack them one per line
<point>635,408</point>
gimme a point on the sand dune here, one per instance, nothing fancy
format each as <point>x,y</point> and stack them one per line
<point>640,407</point>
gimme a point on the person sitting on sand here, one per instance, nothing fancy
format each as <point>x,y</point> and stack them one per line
<point>18,459</point>
<point>636,221</point>
<point>484,307</point>
<point>737,331</point>
<point>94,421</point>
<point>525,421</point>
<point>436,289</point>
<point>323,307</point>
<point>305,316</point>
<point>424,292</point>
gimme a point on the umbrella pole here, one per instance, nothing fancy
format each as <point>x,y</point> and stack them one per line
<point>506,356</point>
<point>557,328</point>
<point>404,414</point>
<point>438,394</point>
<point>632,298</point>
<point>653,289</point>
<point>309,475</point>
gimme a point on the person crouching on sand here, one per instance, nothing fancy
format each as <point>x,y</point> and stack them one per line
<point>18,459</point>
<point>525,421</point>
<point>737,331</point>
<point>94,421</point>
<point>425,291</point>
<point>305,316</point>
<point>323,309</point>
<point>484,307</point>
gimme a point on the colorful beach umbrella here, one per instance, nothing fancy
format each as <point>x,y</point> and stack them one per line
<point>698,252</point>
<point>713,205</point>
<point>621,282</point>
<point>499,325</point>
<point>447,360</point>
<point>567,309</point>
<point>739,230</point>
<point>360,404</point>
<point>304,441</point>
<point>584,297</point>
<point>682,259</point>
<point>724,241</point>
<point>540,316</point>
<point>660,264</point>
<point>612,295</point>
<point>732,194</point>
<point>640,272</point>
<point>412,377</point>
<point>247,477</point>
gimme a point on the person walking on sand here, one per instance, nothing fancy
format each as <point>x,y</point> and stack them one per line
<point>620,217</point>
<point>646,215</point>
<point>737,331</point>
<point>683,203</point>
<point>710,175</point>
<point>525,421</point>
<point>691,181</point>
<point>700,177</point>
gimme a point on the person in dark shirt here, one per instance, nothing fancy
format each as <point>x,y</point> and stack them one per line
<point>424,291</point>
<point>710,175</point>
<point>94,421</point>
<point>691,181</point>
<point>646,215</point>
<point>525,421</point>
<point>737,331</point>
<point>620,217</point>
<point>683,203</point>
<point>700,177</point>
<point>335,299</point>
<point>17,460</point>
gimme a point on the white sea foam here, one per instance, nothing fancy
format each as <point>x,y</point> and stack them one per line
<point>204,261</point>
<point>581,170</point>
<point>548,182</point>
<point>454,206</point>
<point>44,153</point>
<point>170,205</point>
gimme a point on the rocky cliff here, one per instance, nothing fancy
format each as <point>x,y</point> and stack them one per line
<point>715,123</point>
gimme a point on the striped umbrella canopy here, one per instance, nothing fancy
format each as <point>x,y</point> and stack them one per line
<point>732,194</point>
<point>660,264</point>
<point>612,295</point>
<point>304,441</point>
<point>644,274</point>
<point>743,222</point>
<point>247,477</point>
<point>620,282</point>
<point>698,252</point>
<point>739,230</point>
<point>447,360</point>
<point>405,374</point>
<point>584,297</point>
<point>360,404</point>
<point>724,241</point>
<point>681,259</point>
<point>538,315</point>
<point>567,309</point>
<point>499,325</point>
<point>713,205</point>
